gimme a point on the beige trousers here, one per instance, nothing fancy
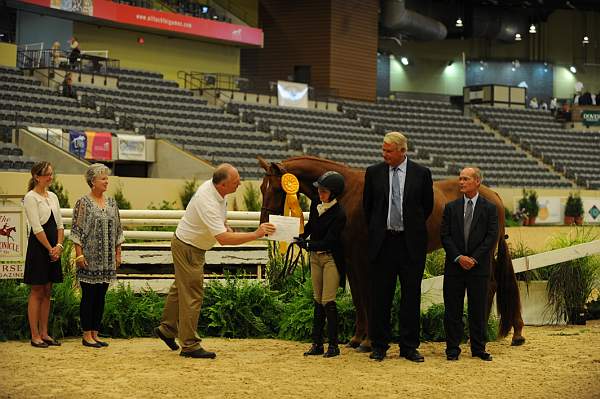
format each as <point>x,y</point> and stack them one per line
<point>325,277</point>
<point>182,306</point>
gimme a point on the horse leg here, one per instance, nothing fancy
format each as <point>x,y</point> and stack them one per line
<point>360,320</point>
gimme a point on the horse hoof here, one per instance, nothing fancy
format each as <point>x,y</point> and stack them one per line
<point>352,344</point>
<point>363,349</point>
<point>517,341</point>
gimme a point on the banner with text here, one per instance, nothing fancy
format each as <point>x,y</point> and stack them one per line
<point>13,239</point>
<point>77,143</point>
<point>132,147</point>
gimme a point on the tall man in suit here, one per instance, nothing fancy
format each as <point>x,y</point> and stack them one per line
<point>397,200</point>
<point>469,231</point>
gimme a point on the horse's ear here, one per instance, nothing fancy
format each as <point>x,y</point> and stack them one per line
<point>277,167</point>
<point>263,164</point>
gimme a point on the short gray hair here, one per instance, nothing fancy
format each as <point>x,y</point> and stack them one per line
<point>222,173</point>
<point>396,138</point>
<point>95,170</point>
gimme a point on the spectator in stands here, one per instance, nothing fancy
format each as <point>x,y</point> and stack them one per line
<point>325,225</point>
<point>544,106</point>
<point>553,105</point>
<point>586,99</point>
<point>202,226</point>
<point>598,98</point>
<point>397,244</point>
<point>97,236</point>
<point>576,98</point>
<point>55,54</point>
<point>75,54</point>
<point>564,114</point>
<point>67,86</point>
<point>533,103</point>
<point>468,265</point>
<point>42,261</point>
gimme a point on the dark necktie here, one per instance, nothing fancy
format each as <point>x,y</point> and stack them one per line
<point>395,215</point>
<point>468,220</point>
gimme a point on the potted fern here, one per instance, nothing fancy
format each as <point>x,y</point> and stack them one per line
<point>574,209</point>
<point>530,205</point>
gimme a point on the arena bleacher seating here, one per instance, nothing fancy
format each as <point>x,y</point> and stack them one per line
<point>574,153</point>
<point>440,130</point>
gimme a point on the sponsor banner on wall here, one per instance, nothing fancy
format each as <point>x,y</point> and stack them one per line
<point>590,118</point>
<point>132,147</point>
<point>147,18</point>
<point>99,146</point>
<point>77,143</point>
<point>12,240</point>
<point>53,136</point>
<point>291,94</point>
<point>550,211</point>
<point>591,210</point>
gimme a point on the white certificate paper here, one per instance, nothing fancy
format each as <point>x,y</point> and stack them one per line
<point>286,228</point>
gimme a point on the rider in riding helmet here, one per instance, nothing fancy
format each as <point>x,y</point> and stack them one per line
<point>324,228</point>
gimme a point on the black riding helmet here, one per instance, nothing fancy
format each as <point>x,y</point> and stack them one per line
<point>332,181</point>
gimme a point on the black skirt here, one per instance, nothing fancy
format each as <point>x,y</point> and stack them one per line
<point>39,270</point>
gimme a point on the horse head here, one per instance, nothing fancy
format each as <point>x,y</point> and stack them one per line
<point>271,190</point>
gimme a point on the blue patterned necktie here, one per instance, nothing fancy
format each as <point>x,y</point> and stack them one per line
<point>395,215</point>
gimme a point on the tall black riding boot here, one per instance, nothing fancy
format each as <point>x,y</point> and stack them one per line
<point>317,331</point>
<point>332,329</point>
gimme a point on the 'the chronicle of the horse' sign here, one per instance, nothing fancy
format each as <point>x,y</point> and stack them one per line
<point>12,238</point>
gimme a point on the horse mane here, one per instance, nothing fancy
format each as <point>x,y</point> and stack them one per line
<point>317,159</point>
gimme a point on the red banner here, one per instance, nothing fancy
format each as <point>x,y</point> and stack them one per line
<point>146,18</point>
<point>99,146</point>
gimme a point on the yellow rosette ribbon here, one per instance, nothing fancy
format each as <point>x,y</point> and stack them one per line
<point>291,185</point>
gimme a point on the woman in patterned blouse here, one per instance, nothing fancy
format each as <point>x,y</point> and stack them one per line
<point>97,236</point>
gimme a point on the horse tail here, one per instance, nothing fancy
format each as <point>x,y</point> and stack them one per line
<point>508,299</point>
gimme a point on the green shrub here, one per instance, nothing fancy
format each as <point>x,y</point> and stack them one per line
<point>252,198</point>
<point>432,325</point>
<point>241,308</point>
<point>127,314</point>
<point>13,307</point>
<point>304,202</point>
<point>119,197</point>
<point>63,195</point>
<point>434,264</point>
<point>189,189</point>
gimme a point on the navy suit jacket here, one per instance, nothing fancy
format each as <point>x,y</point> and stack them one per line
<point>482,236</point>
<point>417,204</point>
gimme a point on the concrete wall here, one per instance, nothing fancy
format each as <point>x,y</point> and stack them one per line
<point>167,55</point>
<point>38,148</point>
<point>173,163</point>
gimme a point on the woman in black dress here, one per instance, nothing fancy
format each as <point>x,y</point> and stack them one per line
<point>42,262</point>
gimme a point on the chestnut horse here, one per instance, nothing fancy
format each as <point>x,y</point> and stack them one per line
<point>308,169</point>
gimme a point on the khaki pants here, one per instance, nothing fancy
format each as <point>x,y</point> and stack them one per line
<point>182,306</point>
<point>325,277</point>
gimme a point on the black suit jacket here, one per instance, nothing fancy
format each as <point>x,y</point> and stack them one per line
<point>325,233</point>
<point>417,204</point>
<point>482,237</point>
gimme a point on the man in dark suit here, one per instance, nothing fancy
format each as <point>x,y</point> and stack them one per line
<point>397,200</point>
<point>469,231</point>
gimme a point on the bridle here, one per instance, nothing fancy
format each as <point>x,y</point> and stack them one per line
<point>264,208</point>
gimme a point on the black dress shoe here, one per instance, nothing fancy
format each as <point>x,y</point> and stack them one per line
<point>39,344</point>
<point>413,356</point>
<point>51,342</point>
<point>517,341</point>
<point>483,356</point>
<point>101,343</point>
<point>90,344</point>
<point>199,354</point>
<point>452,357</point>
<point>377,355</point>
<point>315,350</point>
<point>169,341</point>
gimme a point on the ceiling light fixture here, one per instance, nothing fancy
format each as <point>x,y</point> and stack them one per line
<point>404,61</point>
<point>459,22</point>
<point>532,29</point>
<point>518,37</point>
<point>586,40</point>
<point>573,69</point>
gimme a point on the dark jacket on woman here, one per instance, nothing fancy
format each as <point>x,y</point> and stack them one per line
<point>325,233</point>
